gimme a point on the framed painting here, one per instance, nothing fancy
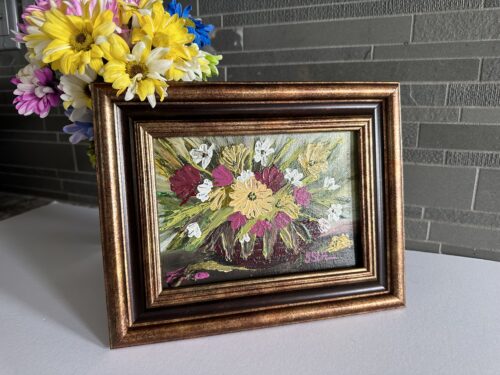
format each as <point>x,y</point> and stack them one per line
<point>242,205</point>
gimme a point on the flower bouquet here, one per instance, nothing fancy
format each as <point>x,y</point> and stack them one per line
<point>251,203</point>
<point>138,46</point>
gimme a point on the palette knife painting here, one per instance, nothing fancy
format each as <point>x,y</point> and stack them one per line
<point>239,207</point>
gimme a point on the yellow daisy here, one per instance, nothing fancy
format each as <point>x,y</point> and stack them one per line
<point>252,198</point>
<point>140,72</point>
<point>234,157</point>
<point>75,40</point>
<point>338,243</point>
<point>287,204</point>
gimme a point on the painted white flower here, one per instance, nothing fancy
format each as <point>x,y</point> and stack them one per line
<point>202,155</point>
<point>330,184</point>
<point>294,177</point>
<point>335,212</point>
<point>324,225</point>
<point>204,190</point>
<point>193,230</point>
<point>245,238</point>
<point>262,151</point>
<point>75,88</point>
<point>245,175</point>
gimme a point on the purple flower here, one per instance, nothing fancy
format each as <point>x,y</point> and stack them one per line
<point>82,127</point>
<point>201,275</point>
<point>173,276</point>
<point>237,220</point>
<point>184,182</point>
<point>222,176</point>
<point>281,220</point>
<point>302,196</point>
<point>36,91</point>
<point>272,177</point>
<point>260,228</point>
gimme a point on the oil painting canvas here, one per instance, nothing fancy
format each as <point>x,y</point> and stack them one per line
<point>238,207</point>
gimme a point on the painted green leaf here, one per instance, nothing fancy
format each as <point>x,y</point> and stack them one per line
<point>180,216</point>
<point>211,265</point>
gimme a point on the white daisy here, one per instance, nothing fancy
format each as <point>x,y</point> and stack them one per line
<point>204,190</point>
<point>262,151</point>
<point>202,155</point>
<point>245,175</point>
<point>294,177</point>
<point>75,88</point>
<point>324,225</point>
<point>330,184</point>
<point>193,230</point>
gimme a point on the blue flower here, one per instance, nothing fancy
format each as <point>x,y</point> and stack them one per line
<point>195,26</point>
<point>82,127</point>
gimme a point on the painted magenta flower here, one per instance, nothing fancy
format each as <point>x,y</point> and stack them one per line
<point>201,275</point>
<point>222,176</point>
<point>313,159</point>
<point>260,227</point>
<point>237,220</point>
<point>75,41</point>
<point>235,157</point>
<point>204,190</point>
<point>302,196</point>
<point>294,177</point>
<point>184,182</point>
<point>203,154</point>
<point>36,91</point>
<point>193,230</point>
<point>139,72</point>
<point>272,177</point>
<point>281,220</point>
<point>251,197</point>
<point>330,184</point>
<point>263,151</point>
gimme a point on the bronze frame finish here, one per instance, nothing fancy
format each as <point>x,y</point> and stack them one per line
<point>139,310</point>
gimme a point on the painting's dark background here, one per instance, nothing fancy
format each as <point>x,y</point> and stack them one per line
<point>446,53</point>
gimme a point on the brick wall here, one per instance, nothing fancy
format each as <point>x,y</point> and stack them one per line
<point>446,54</point>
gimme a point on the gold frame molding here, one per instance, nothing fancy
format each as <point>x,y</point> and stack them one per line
<point>139,310</point>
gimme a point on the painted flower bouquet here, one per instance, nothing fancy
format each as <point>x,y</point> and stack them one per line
<point>138,46</point>
<point>238,203</point>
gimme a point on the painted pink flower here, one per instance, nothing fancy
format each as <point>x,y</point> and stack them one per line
<point>302,196</point>
<point>281,220</point>
<point>272,177</point>
<point>237,220</point>
<point>260,228</point>
<point>184,182</point>
<point>222,176</point>
<point>36,91</point>
<point>201,275</point>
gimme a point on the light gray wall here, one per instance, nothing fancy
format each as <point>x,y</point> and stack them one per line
<point>446,54</point>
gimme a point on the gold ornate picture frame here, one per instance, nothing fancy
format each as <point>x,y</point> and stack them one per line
<point>142,154</point>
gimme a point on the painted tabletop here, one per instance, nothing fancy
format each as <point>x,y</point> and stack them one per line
<point>53,317</point>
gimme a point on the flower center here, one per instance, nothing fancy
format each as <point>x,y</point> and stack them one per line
<point>311,163</point>
<point>252,196</point>
<point>134,69</point>
<point>82,41</point>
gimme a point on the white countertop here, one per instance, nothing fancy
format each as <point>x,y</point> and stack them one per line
<point>53,317</point>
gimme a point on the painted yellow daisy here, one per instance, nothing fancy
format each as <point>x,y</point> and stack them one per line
<point>252,198</point>
<point>234,157</point>
<point>338,243</point>
<point>313,159</point>
<point>139,73</point>
<point>286,204</point>
<point>75,40</point>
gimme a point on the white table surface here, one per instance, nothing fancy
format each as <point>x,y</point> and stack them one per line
<point>53,317</point>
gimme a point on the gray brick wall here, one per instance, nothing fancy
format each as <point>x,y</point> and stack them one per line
<point>446,54</point>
